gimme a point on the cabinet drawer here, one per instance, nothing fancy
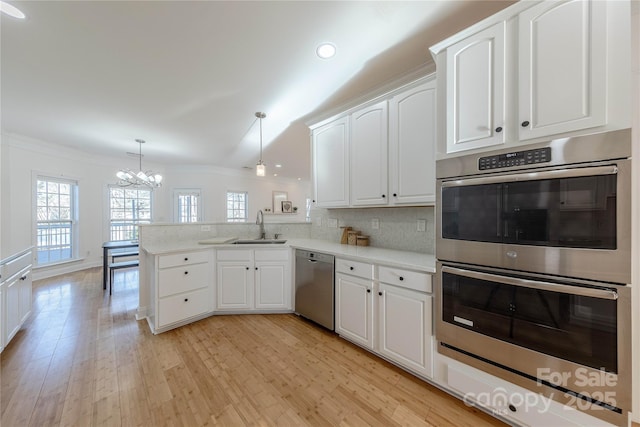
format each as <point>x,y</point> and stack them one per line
<point>181,279</point>
<point>272,254</point>
<point>354,268</point>
<point>407,279</point>
<point>16,265</point>
<point>184,258</point>
<point>234,255</point>
<point>513,402</point>
<point>181,307</point>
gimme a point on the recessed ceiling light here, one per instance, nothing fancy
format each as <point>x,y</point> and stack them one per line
<point>326,50</point>
<point>275,174</point>
<point>278,165</point>
<point>299,179</point>
<point>11,10</point>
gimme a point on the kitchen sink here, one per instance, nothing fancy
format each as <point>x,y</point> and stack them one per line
<point>258,242</point>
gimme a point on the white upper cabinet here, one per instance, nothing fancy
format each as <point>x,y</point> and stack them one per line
<point>537,70</point>
<point>562,68</point>
<point>379,154</point>
<point>331,164</point>
<point>369,145</point>
<point>475,90</point>
<point>412,141</point>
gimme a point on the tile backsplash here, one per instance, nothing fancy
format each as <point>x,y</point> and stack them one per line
<point>397,228</point>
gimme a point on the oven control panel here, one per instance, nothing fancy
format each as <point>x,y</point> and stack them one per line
<point>516,158</point>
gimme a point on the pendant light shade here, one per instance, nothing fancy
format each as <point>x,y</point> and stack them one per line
<point>260,167</point>
<point>129,178</point>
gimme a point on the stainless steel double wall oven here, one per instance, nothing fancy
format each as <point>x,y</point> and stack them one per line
<point>534,268</point>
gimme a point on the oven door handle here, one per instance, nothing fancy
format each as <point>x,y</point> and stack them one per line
<point>535,284</point>
<point>534,176</point>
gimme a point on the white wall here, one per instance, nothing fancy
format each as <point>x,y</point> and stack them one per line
<point>215,182</point>
<point>22,157</point>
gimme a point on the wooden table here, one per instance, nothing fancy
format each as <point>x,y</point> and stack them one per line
<point>108,246</point>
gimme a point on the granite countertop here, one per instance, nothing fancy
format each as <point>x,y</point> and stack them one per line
<point>391,257</point>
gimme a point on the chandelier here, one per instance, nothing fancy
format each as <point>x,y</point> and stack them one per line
<point>128,178</point>
<point>260,167</point>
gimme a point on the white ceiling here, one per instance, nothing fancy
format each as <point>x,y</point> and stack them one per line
<point>188,76</point>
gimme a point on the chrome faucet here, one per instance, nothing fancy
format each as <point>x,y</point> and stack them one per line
<point>260,222</point>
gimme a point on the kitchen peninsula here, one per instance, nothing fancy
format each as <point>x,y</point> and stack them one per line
<point>198,269</point>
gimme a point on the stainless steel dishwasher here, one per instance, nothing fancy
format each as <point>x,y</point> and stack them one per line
<point>314,287</point>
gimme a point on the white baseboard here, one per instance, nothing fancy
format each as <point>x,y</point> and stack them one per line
<point>66,268</point>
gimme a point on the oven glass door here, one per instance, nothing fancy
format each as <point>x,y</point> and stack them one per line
<point>573,209</point>
<point>566,321</point>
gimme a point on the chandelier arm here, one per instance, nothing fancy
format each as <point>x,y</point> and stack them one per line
<point>128,178</point>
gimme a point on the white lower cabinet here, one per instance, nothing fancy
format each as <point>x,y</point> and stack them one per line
<point>15,295</point>
<point>271,290</point>
<point>354,313</point>
<point>183,288</point>
<point>388,311</point>
<point>12,308</point>
<point>186,286</point>
<point>234,280</point>
<point>249,279</point>
<point>405,332</point>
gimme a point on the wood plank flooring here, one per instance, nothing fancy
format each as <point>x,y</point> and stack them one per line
<point>83,360</point>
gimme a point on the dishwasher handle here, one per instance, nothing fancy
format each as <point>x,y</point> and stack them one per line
<point>314,257</point>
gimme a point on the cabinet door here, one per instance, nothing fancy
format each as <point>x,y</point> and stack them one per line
<point>25,296</point>
<point>271,291</point>
<point>405,327</point>
<point>12,309</point>
<point>331,164</point>
<point>235,286</point>
<point>476,90</point>
<point>354,304</point>
<point>369,145</point>
<point>412,142</point>
<point>562,66</point>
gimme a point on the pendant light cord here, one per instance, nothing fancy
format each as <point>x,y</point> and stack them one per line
<point>260,139</point>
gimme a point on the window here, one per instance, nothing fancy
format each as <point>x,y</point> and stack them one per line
<point>128,207</point>
<point>187,205</point>
<point>56,219</point>
<point>236,206</point>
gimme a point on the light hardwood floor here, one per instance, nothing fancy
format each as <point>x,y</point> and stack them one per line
<point>83,360</point>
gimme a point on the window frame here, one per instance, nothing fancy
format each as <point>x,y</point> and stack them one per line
<point>246,206</point>
<point>131,222</point>
<point>73,239</point>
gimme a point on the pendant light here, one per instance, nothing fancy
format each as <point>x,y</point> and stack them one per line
<point>128,178</point>
<point>260,168</point>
